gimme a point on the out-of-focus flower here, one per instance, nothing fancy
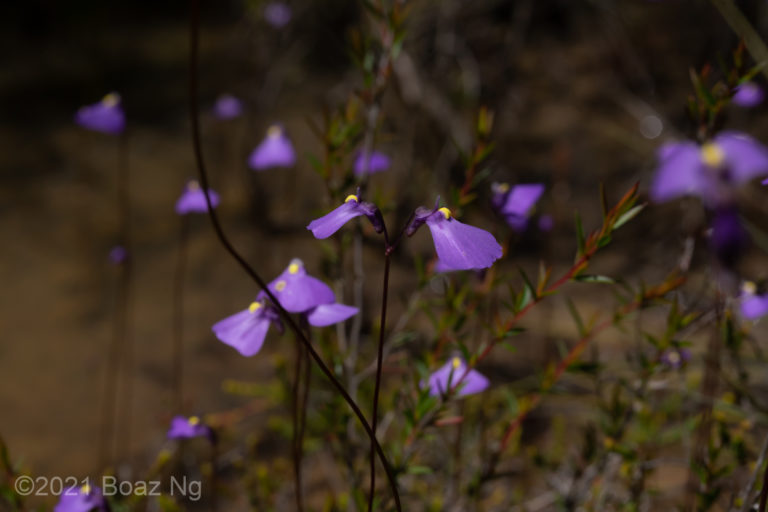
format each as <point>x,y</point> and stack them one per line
<point>459,246</point>
<point>748,94</point>
<point>330,223</point>
<point>710,171</point>
<point>728,237</point>
<point>187,428</point>
<point>441,381</point>
<point>515,203</point>
<point>86,498</point>
<point>275,150</point>
<point>546,223</point>
<point>192,199</point>
<point>227,107</point>
<point>245,331</point>
<point>277,14</point>
<point>117,255</point>
<point>377,162</point>
<point>106,116</point>
<point>674,357</point>
<point>753,303</point>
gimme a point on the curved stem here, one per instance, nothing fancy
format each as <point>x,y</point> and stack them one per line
<point>379,358</point>
<point>296,448</point>
<point>194,21</point>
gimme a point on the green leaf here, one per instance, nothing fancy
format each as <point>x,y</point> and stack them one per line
<point>627,216</point>
<point>593,278</point>
<point>419,470</point>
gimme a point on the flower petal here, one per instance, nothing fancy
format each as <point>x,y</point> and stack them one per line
<point>441,381</point>
<point>460,246</point>
<point>754,306</point>
<point>680,172</point>
<point>275,150</point>
<point>330,223</point>
<point>377,162</point>
<point>746,157</point>
<point>192,200</point>
<point>244,331</point>
<point>329,314</point>
<point>521,199</point>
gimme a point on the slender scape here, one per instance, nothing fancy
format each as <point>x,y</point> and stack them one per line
<point>194,22</point>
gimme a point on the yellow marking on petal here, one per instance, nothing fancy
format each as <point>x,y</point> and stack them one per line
<point>193,185</point>
<point>111,99</point>
<point>502,188</point>
<point>673,357</point>
<point>445,211</point>
<point>456,363</point>
<point>749,288</point>
<point>85,489</point>
<point>295,266</point>
<point>712,154</point>
<point>254,307</point>
<point>280,285</point>
<point>352,197</point>
<point>193,420</point>
<point>274,131</point>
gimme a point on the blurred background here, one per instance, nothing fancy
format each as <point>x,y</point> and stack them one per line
<point>582,92</point>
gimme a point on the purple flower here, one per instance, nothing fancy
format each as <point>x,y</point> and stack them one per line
<point>275,150</point>
<point>728,238</point>
<point>515,203</point>
<point>753,304</point>
<point>452,372</point>
<point>458,246</point>
<point>330,223</point>
<point>187,428</point>
<point>675,358</point>
<point>277,14</point>
<point>377,162</point>
<point>748,95</point>
<point>227,107</point>
<point>329,314</point>
<point>117,255</point>
<point>245,331</point>
<point>710,171</point>
<point>86,498</point>
<point>297,291</point>
<point>192,199</point>
<point>106,116</point>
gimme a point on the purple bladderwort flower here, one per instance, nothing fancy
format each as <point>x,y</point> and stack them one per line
<point>297,292</point>
<point>754,304</point>
<point>459,246</point>
<point>275,150</point>
<point>117,255</point>
<point>674,357</point>
<point>188,428</point>
<point>227,107</point>
<point>277,14</point>
<point>748,94</point>
<point>106,116</point>
<point>245,331</point>
<point>330,223</point>
<point>86,498</point>
<point>515,203</point>
<point>728,238</point>
<point>192,199</point>
<point>711,171</point>
<point>377,162</point>
<point>441,381</point>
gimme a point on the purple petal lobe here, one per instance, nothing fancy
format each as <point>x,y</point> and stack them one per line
<point>680,172</point>
<point>86,498</point>
<point>377,162</point>
<point>460,246</point>
<point>227,107</point>
<point>329,314</point>
<point>277,14</point>
<point>192,200</point>
<point>748,95</point>
<point>244,331</point>
<point>441,381</point>
<point>745,157</point>
<point>187,428</point>
<point>275,150</point>
<point>330,223</point>
<point>106,116</point>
